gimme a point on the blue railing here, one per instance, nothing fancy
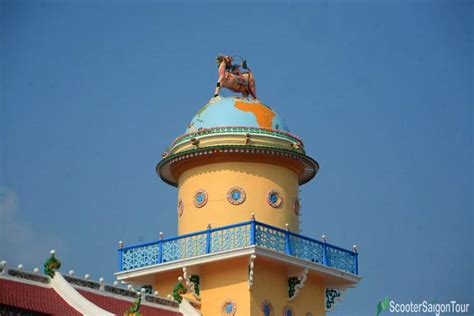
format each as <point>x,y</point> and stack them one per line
<point>236,236</point>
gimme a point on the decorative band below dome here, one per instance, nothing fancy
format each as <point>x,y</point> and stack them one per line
<point>171,167</point>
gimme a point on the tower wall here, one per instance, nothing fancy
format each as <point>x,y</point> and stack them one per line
<point>271,285</point>
<point>256,179</point>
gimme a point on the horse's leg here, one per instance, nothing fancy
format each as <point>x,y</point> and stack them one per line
<point>221,79</point>
<point>251,86</point>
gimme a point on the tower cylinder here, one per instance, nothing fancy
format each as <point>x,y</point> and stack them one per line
<point>225,193</point>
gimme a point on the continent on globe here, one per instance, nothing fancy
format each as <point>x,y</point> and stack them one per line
<point>263,114</point>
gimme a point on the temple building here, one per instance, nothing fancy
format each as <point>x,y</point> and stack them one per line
<point>239,251</point>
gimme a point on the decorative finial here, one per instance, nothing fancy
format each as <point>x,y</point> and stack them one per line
<point>36,270</point>
<point>161,235</point>
<point>323,238</point>
<point>232,78</point>
<point>71,272</point>
<point>87,276</point>
<point>287,226</point>
<point>252,216</point>
<point>120,244</point>
<point>20,267</point>
<point>209,226</point>
<point>354,248</point>
<point>51,264</point>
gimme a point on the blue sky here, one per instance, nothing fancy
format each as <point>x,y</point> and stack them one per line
<point>92,92</point>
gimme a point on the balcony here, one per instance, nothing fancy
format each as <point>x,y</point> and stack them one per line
<point>221,239</point>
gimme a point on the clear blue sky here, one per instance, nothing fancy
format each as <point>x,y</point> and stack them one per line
<point>92,92</point>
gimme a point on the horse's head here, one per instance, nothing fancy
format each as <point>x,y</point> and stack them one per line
<point>228,59</point>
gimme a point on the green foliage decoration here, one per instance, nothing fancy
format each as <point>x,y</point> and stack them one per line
<point>178,291</point>
<point>51,265</point>
<point>133,310</point>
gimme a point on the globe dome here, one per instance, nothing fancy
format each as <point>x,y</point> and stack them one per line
<point>233,111</point>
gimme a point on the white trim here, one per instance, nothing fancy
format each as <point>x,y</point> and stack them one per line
<point>187,309</point>
<point>74,298</point>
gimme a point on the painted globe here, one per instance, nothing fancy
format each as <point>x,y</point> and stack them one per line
<point>233,111</point>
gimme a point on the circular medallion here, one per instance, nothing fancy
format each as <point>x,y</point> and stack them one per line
<point>274,198</point>
<point>236,195</point>
<point>180,208</point>
<point>200,198</point>
<point>296,207</point>
<point>228,308</point>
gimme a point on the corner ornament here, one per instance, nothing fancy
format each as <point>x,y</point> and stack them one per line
<point>232,78</point>
<point>295,284</point>
<point>251,272</point>
<point>192,283</point>
<point>333,296</point>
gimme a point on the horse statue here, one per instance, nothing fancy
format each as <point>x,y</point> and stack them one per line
<point>232,78</point>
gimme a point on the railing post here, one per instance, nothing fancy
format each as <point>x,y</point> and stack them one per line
<point>208,239</point>
<point>287,240</point>
<point>356,259</point>
<point>120,246</point>
<point>252,230</point>
<point>160,248</point>
<point>325,250</point>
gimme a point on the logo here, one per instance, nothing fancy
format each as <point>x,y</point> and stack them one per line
<point>383,305</point>
<point>424,307</point>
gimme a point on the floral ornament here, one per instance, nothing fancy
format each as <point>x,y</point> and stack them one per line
<point>228,308</point>
<point>180,208</point>
<point>236,195</point>
<point>200,198</point>
<point>288,311</point>
<point>274,198</point>
<point>296,207</point>
<point>267,308</point>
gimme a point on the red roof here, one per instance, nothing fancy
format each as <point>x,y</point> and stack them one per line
<point>46,300</point>
<point>34,298</point>
<point>119,307</point>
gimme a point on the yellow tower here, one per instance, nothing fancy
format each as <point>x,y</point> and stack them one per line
<point>239,250</point>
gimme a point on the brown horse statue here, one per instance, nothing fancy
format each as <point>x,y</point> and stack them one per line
<point>232,78</point>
